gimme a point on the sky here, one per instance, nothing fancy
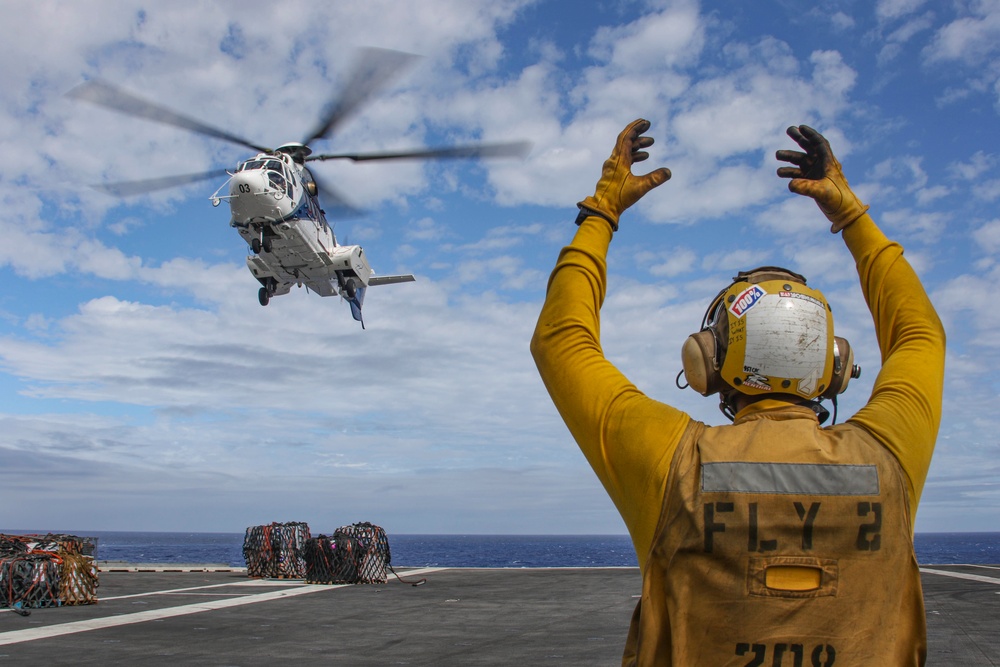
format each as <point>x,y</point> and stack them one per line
<point>142,387</point>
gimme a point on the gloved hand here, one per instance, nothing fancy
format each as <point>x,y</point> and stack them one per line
<point>619,188</point>
<point>818,174</point>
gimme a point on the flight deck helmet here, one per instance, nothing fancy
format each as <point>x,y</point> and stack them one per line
<point>768,333</point>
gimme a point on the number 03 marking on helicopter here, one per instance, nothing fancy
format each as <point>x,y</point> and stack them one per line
<point>274,198</point>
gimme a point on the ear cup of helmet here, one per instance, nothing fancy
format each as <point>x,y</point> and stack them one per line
<point>843,368</point>
<point>701,368</point>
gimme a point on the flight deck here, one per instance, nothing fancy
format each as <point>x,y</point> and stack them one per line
<point>202,615</point>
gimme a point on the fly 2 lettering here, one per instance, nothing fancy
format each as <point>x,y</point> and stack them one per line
<point>869,535</point>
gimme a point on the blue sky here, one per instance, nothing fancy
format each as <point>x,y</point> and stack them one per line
<point>143,387</point>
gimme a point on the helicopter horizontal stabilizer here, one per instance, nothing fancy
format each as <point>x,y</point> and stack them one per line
<point>390,280</point>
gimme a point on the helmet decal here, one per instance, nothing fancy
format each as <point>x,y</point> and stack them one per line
<point>746,300</point>
<point>757,382</point>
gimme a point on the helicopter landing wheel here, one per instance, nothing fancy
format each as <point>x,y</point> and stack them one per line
<point>266,244</point>
<point>255,246</point>
<point>264,296</point>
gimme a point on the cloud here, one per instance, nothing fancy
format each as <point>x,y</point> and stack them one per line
<point>887,10</point>
<point>987,236</point>
<point>139,368</point>
<point>896,41</point>
<point>970,39</point>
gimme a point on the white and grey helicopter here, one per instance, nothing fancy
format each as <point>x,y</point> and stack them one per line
<point>274,198</point>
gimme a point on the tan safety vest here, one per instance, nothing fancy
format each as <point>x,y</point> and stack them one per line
<point>781,544</point>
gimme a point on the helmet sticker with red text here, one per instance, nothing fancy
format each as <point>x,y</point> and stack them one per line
<point>746,300</point>
<point>757,382</point>
<point>804,297</point>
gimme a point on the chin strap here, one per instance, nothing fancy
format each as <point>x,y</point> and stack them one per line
<point>821,412</point>
<point>727,404</point>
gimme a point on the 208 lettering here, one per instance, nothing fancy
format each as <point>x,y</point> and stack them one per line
<point>822,655</point>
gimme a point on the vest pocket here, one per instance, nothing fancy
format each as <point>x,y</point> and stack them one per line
<point>792,577</point>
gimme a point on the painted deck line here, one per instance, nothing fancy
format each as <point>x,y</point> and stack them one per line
<point>985,567</point>
<point>270,583</point>
<point>962,575</point>
<point>105,566</point>
<point>32,634</point>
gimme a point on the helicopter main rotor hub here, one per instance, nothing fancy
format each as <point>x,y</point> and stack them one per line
<point>297,151</point>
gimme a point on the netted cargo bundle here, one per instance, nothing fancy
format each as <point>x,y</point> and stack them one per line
<point>369,546</point>
<point>77,570</point>
<point>321,561</point>
<point>78,580</point>
<point>356,554</point>
<point>29,580</point>
<point>47,570</point>
<point>276,550</point>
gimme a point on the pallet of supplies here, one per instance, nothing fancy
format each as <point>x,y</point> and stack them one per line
<point>275,551</point>
<point>46,571</point>
<point>355,554</point>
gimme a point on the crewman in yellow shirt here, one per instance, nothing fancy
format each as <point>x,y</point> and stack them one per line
<point>772,540</point>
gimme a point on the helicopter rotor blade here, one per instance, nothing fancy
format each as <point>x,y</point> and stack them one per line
<point>131,188</point>
<point>512,149</point>
<point>102,93</point>
<point>335,205</point>
<point>372,71</point>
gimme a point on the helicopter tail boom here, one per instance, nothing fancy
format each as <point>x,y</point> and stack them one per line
<point>390,280</point>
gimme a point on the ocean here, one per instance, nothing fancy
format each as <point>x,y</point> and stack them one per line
<point>479,550</point>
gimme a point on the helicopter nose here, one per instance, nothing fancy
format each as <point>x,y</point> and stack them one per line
<point>246,182</point>
<point>245,190</point>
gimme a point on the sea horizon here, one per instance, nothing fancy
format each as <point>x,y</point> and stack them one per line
<point>467,549</point>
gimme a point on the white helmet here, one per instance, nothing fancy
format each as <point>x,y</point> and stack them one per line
<point>768,333</point>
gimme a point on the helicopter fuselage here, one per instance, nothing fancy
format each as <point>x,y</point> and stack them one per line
<point>276,210</point>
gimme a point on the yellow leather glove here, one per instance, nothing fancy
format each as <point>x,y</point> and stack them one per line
<point>619,188</point>
<point>818,174</point>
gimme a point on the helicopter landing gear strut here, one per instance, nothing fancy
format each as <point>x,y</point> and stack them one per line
<point>350,288</point>
<point>263,243</point>
<point>265,292</point>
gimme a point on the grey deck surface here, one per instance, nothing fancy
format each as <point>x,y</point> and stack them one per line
<point>470,617</point>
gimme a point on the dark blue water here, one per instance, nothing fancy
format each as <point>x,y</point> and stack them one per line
<point>480,550</point>
<point>950,548</point>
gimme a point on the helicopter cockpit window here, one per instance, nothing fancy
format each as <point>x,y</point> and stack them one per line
<point>278,182</point>
<point>277,177</point>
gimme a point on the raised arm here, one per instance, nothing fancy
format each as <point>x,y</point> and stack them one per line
<point>904,411</point>
<point>627,438</point>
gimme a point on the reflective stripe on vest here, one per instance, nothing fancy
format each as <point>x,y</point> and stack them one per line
<point>790,478</point>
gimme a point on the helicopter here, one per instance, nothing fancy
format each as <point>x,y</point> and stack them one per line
<point>274,198</point>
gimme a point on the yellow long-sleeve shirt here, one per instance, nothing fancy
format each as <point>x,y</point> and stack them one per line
<point>630,439</point>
